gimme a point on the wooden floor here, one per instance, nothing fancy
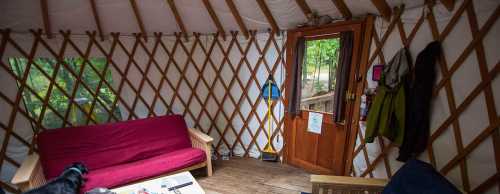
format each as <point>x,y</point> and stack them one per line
<point>247,175</point>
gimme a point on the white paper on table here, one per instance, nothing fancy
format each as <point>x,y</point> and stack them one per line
<point>154,186</point>
<point>315,122</point>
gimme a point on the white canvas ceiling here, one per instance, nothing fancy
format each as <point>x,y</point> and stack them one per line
<point>118,16</point>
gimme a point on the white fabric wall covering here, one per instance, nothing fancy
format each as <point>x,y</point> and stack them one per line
<point>18,151</point>
<point>217,56</point>
<point>481,162</point>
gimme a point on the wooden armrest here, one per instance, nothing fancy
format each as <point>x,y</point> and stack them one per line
<point>24,173</point>
<point>30,174</point>
<point>204,142</point>
<point>345,184</point>
<point>200,135</point>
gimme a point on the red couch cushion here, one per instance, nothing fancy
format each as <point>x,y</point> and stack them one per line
<point>101,146</point>
<point>123,174</point>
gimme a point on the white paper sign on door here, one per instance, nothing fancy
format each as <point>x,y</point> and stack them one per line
<point>315,122</point>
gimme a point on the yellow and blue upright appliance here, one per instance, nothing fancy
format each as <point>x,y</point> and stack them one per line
<point>270,92</point>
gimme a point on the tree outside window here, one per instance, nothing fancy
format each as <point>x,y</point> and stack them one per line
<point>39,80</point>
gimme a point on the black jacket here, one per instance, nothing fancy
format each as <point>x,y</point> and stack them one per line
<point>418,102</point>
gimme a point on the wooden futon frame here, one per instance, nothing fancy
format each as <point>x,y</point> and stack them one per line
<point>30,174</point>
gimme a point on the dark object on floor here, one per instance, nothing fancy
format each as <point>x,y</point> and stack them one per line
<point>1,191</point>
<point>418,102</point>
<point>417,177</point>
<point>68,182</point>
<point>269,157</point>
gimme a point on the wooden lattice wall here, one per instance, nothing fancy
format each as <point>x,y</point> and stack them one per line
<point>214,83</point>
<point>465,142</point>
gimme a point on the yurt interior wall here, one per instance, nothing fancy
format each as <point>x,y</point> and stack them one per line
<point>214,79</point>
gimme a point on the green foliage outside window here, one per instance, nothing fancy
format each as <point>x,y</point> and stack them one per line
<point>318,71</point>
<point>39,82</point>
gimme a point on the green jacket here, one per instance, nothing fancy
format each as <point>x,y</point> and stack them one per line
<point>387,115</point>
<point>387,112</point>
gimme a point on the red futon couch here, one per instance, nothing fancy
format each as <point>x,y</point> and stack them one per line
<point>119,153</point>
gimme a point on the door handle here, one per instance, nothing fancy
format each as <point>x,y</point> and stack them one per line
<point>350,96</point>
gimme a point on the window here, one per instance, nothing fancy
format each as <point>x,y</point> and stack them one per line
<point>318,74</point>
<point>66,85</point>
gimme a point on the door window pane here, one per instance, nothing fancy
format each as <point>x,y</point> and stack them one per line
<point>318,74</point>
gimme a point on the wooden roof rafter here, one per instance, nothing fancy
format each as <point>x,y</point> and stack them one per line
<point>45,16</point>
<point>304,7</point>
<point>238,18</point>
<point>178,18</point>
<point>342,7</point>
<point>215,19</point>
<point>133,4</point>
<point>383,8</point>
<point>263,7</point>
<point>97,20</point>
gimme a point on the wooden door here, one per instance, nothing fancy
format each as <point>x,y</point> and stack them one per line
<point>323,153</point>
<point>317,153</point>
